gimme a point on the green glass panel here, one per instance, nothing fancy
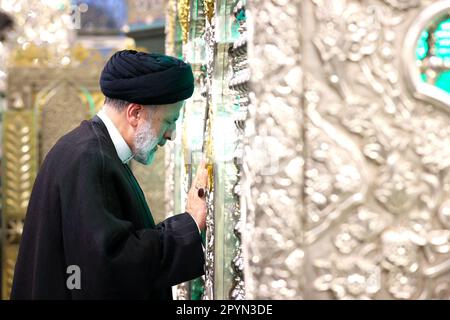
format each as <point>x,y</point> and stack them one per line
<point>440,48</point>
<point>197,285</point>
<point>235,25</point>
<point>423,76</point>
<point>443,81</point>
<point>442,40</point>
<point>422,46</point>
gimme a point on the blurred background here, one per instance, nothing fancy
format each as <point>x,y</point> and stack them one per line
<point>325,125</point>
<point>51,55</point>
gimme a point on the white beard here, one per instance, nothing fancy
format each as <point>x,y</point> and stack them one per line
<point>145,143</point>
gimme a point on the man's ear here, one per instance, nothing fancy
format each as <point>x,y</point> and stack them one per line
<point>134,112</point>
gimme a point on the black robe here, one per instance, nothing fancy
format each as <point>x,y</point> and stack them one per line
<point>87,210</point>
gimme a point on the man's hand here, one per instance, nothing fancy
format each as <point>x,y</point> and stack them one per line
<point>196,202</point>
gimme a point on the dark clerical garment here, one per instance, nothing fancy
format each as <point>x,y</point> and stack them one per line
<point>87,210</point>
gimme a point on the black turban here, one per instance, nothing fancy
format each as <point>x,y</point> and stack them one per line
<point>146,78</point>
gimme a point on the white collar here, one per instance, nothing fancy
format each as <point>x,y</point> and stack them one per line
<point>122,148</point>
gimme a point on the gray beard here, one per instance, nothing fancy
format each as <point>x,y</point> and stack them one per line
<point>145,144</point>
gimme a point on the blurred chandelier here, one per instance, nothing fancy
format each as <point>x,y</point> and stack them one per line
<point>43,33</point>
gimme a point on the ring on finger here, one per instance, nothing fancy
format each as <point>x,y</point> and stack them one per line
<point>201,192</point>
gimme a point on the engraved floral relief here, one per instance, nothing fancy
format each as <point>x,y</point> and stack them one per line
<point>206,81</point>
<point>431,140</point>
<point>373,74</point>
<point>400,185</point>
<point>273,160</point>
<point>331,187</point>
<point>402,4</point>
<point>352,277</point>
<point>238,83</point>
<point>361,227</point>
<point>407,252</point>
<point>395,243</point>
<point>400,249</point>
<point>352,31</point>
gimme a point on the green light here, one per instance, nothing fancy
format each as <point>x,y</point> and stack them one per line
<point>442,40</point>
<point>423,76</point>
<point>440,49</point>
<point>443,81</point>
<point>235,26</point>
<point>422,46</point>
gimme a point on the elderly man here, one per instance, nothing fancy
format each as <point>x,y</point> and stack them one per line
<point>89,233</point>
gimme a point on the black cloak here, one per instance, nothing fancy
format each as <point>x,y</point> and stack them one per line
<point>87,210</point>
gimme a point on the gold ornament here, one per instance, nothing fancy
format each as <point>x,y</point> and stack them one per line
<point>209,9</point>
<point>183,8</point>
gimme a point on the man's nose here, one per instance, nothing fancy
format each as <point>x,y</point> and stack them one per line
<point>168,135</point>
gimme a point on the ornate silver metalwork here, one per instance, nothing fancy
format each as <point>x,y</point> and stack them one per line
<point>210,45</point>
<point>273,161</point>
<point>240,75</point>
<point>385,244</point>
<point>356,203</point>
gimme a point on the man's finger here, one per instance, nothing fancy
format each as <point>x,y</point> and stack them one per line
<point>203,177</point>
<point>201,171</point>
<point>194,181</point>
<point>201,165</point>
